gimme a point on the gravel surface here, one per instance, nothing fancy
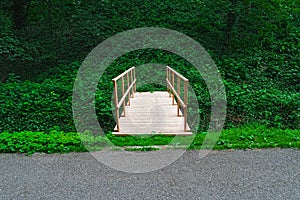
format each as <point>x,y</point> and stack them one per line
<point>251,174</point>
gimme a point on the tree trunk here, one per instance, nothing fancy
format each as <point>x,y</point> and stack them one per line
<point>231,19</point>
<point>20,9</point>
<point>3,74</point>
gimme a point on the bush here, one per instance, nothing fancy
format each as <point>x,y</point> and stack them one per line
<point>35,106</point>
<point>269,106</point>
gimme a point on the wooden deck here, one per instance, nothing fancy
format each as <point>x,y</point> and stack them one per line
<point>151,113</point>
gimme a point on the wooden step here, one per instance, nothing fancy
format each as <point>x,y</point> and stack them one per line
<point>151,113</point>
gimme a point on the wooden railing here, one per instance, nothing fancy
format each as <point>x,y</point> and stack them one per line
<point>131,88</point>
<point>171,74</point>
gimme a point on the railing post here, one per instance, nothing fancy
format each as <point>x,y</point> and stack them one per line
<point>186,104</point>
<point>134,77</point>
<point>167,74</point>
<point>123,91</point>
<point>173,87</point>
<point>128,84</point>
<point>178,91</point>
<point>116,104</point>
<point>169,78</point>
<point>131,77</point>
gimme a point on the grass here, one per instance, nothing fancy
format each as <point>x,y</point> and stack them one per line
<point>253,136</point>
<point>31,142</point>
<point>245,137</point>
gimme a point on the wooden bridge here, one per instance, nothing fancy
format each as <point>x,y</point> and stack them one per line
<point>159,112</point>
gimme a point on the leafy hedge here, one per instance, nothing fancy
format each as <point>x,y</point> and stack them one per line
<point>46,104</point>
<point>270,106</point>
<point>35,106</point>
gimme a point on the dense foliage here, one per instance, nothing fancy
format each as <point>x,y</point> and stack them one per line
<point>255,45</point>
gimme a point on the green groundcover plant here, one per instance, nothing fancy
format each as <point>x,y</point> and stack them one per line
<point>246,137</point>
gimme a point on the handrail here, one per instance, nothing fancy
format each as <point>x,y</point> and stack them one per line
<point>121,75</point>
<point>171,89</point>
<point>179,75</point>
<point>131,88</point>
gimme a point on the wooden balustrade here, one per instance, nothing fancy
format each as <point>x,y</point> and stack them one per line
<point>129,92</point>
<point>171,74</point>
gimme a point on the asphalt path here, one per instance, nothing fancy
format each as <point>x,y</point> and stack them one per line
<point>251,174</point>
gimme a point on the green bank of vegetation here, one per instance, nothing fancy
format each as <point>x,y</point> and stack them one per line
<point>255,45</point>
<point>245,137</point>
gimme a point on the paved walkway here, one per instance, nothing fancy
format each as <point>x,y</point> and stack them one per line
<point>253,174</point>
